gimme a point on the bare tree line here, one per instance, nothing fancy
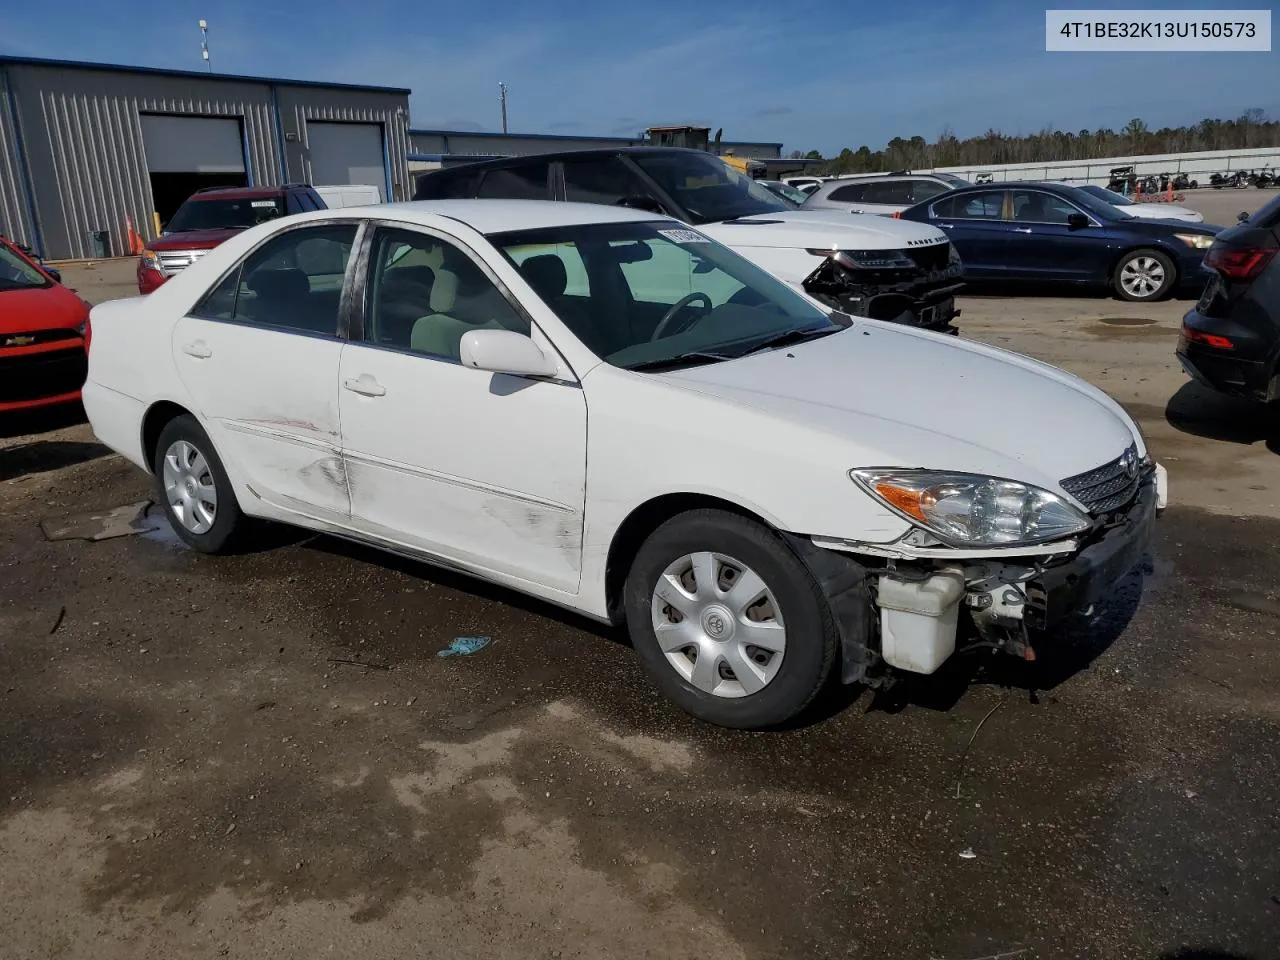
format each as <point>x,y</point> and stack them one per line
<point>1251,129</point>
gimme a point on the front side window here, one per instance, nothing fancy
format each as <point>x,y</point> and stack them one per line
<point>600,180</point>
<point>17,274</point>
<point>293,281</point>
<point>643,295</point>
<point>986,205</point>
<point>425,293</point>
<point>527,182</point>
<point>225,214</point>
<point>1033,206</point>
<point>706,187</point>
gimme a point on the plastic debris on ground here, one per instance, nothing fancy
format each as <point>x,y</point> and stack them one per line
<point>463,646</point>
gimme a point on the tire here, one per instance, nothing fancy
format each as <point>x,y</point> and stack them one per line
<point>1135,275</point>
<point>729,549</point>
<point>186,463</point>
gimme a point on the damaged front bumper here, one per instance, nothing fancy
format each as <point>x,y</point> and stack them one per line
<point>914,287</point>
<point>914,596</point>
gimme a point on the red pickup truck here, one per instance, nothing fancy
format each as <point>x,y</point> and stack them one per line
<point>209,217</point>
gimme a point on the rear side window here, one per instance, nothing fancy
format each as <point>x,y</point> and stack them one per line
<point>452,185</point>
<point>889,191</point>
<point>850,194</point>
<point>528,182</point>
<point>293,281</point>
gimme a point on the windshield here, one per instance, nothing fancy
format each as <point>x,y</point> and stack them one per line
<point>1087,201</point>
<point>784,190</point>
<point>17,274</point>
<point>650,294</point>
<point>1107,196</point>
<point>225,213</point>
<point>707,188</point>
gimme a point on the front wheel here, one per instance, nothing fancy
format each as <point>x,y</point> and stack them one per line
<point>1143,276</point>
<point>728,622</point>
<point>194,487</point>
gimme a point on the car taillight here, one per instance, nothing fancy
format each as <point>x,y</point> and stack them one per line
<point>1208,339</point>
<point>1238,263</point>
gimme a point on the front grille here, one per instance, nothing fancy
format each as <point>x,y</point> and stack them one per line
<point>35,376</point>
<point>175,261</point>
<point>1110,486</point>
<point>935,257</point>
<point>30,338</point>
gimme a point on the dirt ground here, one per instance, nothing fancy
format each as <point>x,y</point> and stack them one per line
<point>262,755</point>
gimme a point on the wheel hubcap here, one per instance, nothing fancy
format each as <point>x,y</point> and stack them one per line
<point>718,624</point>
<point>189,487</point>
<point>1142,276</point>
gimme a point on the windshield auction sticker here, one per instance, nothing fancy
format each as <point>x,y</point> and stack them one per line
<point>1094,31</point>
<point>684,236</point>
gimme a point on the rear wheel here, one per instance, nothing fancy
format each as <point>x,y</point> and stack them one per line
<point>727,621</point>
<point>1144,275</point>
<point>194,487</point>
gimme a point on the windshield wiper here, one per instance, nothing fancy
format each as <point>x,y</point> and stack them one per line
<point>691,359</point>
<point>787,338</point>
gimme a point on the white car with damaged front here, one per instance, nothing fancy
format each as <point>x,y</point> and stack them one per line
<point>609,411</point>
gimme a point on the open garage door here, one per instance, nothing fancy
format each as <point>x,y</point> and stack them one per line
<point>187,153</point>
<point>347,153</point>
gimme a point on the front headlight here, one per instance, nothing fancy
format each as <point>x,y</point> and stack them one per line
<point>1197,241</point>
<point>970,510</point>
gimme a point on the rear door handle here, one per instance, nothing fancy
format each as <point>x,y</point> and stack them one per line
<point>365,385</point>
<point>1021,229</point>
<point>200,350</point>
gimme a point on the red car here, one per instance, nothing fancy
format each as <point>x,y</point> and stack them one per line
<point>44,334</point>
<point>212,215</point>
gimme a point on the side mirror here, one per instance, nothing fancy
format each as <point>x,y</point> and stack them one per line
<point>1077,221</point>
<point>54,272</point>
<point>504,351</point>
<point>641,201</point>
<point>1242,217</point>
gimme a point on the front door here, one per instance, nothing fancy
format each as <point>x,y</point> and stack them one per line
<point>259,356</point>
<point>482,469</point>
<point>1048,247</point>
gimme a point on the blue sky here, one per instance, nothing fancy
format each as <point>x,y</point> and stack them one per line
<point>811,73</point>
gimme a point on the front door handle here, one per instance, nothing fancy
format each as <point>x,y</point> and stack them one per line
<point>946,226</point>
<point>1021,229</point>
<point>200,350</point>
<point>365,385</point>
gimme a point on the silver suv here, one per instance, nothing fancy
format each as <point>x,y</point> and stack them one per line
<point>887,194</point>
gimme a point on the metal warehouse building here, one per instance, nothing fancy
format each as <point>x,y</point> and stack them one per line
<point>85,147</point>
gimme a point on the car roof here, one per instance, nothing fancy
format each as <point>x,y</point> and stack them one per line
<point>243,193</point>
<point>497,216</point>
<point>583,154</point>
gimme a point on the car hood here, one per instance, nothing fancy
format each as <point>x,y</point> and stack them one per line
<point>1157,211</point>
<point>902,398</point>
<point>193,239</point>
<point>42,308</point>
<point>823,230</point>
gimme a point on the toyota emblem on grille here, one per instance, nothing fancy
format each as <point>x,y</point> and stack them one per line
<point>1129,463</point>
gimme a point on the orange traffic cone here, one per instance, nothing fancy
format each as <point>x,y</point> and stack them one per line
<point>135,240</point>
<point>1169,197</point>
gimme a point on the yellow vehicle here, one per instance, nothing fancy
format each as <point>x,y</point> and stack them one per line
<point>755,169</point>
<point>698,138</point>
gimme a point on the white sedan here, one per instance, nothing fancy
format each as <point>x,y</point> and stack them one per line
<point>604,409</point>
<point>1147,210</point>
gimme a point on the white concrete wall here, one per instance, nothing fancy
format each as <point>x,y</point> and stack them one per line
<point>1196,165</point>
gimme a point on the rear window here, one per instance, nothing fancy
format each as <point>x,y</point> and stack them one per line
<point>225,213</point>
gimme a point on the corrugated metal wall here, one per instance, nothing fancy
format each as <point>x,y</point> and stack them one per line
<point>15,222</point>
<point>84,145</point>
<point>301,104</point>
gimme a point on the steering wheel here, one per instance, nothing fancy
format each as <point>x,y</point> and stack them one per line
<point>661,330</point>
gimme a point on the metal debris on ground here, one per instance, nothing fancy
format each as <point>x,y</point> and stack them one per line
<point>463,646</point>
<point>359,663</point>
<point>123,521</point>
<point>968,854</point>
<point>57,622</point>
<point>972,737</point>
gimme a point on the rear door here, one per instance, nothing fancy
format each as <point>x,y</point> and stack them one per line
<point>259,357</point>
<point>975,224</point>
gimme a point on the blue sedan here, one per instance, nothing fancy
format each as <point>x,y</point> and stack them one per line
<point>1051,232</point>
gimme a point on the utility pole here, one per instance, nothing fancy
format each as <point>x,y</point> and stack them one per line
<point>204,44</point>
<point>502,99</point>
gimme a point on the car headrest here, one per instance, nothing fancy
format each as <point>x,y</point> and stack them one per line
<point>546,274</point>
<point>444,292</point>
<point>274,283</point>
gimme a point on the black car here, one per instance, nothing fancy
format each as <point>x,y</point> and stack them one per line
<point>1231,340</point>
<point>1052,232</point>
<point>865,266</point>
